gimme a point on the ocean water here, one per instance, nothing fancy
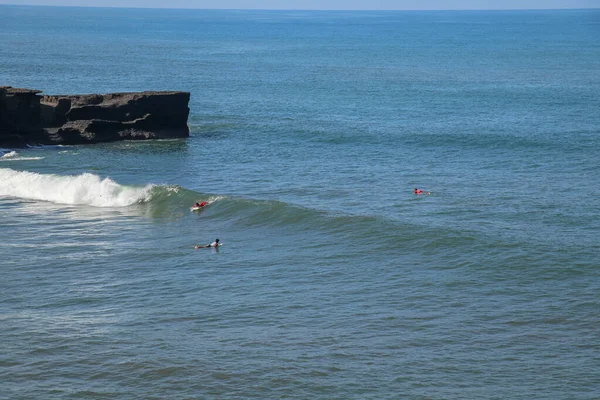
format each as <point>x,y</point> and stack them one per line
<point>309,132</point>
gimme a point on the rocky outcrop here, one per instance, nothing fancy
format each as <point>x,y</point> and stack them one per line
<point>19,116</point>
<point>26,117</point>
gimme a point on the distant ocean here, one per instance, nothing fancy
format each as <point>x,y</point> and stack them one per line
<point>309,133</point>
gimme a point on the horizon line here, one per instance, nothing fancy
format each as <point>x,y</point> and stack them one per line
<point>300,9</point>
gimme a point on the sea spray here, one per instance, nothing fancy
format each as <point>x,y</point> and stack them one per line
<point>84,189</point>
<point>10,154</point>
<point>14,156</point>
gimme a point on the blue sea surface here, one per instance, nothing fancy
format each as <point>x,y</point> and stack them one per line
<point>309,132</point>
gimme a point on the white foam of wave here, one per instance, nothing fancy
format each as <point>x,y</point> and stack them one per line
<point>84,189</point>
<point>14,156</point>
<point>212,199</point>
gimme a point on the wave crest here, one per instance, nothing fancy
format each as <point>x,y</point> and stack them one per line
<point>14,156</point>
<point>84,189</point>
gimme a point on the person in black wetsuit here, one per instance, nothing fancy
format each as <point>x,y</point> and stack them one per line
<point>213,244</point>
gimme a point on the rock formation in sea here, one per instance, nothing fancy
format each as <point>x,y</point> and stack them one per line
<point>28,118</point>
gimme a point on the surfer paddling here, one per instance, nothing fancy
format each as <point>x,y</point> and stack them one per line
<point>200,205</point>
<point>419,191</point>
<point>205,246</point>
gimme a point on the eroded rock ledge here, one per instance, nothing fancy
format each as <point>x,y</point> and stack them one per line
<point>26,117</point>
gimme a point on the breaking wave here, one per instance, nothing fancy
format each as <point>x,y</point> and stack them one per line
<point>14,156</point>
<point>84,189</point>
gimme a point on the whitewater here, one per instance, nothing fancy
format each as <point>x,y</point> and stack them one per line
<point>84,189</point>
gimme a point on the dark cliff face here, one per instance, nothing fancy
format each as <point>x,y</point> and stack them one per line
<point>26,117</point>
<point>19,115</point>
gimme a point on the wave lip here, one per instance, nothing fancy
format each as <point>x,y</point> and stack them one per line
<point>84,189</point>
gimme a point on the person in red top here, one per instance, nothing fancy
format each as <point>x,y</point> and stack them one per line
<point>419,191</point>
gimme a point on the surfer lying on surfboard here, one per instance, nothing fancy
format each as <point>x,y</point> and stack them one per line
<point>419,191</point>
<point>199,205</point>
<point>213,244</point>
